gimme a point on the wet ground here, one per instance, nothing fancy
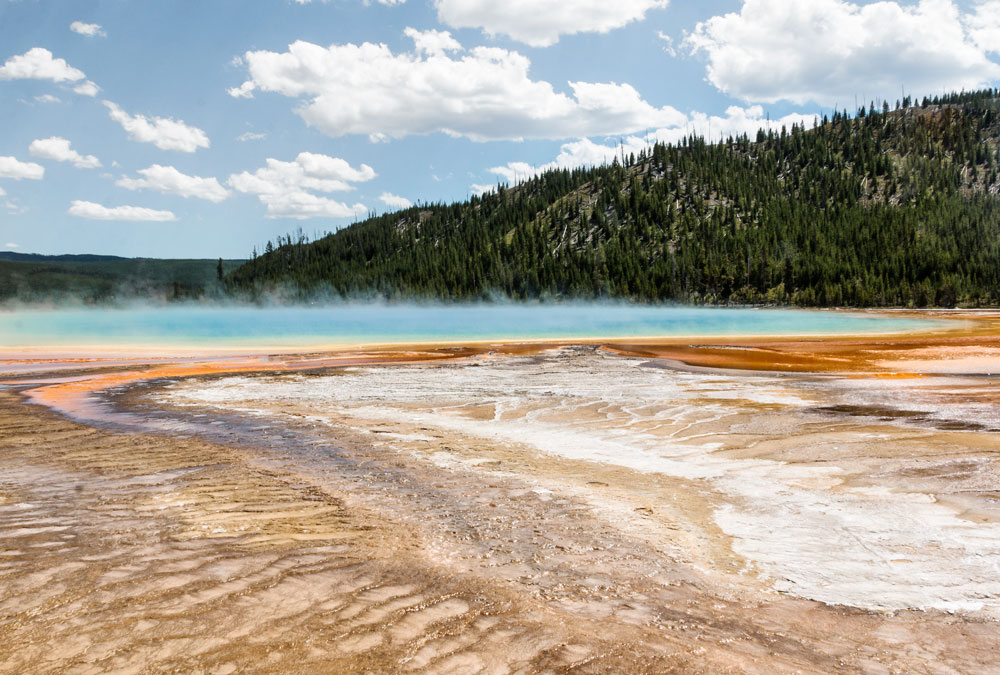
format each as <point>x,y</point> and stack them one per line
<point>565,510</point>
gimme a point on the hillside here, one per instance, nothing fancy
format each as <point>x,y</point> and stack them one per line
<point>98,279</point>
<point>883,208</point>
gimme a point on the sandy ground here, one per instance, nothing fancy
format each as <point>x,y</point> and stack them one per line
<point>627,508</point>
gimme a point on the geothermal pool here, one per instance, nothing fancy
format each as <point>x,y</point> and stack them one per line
<point>761,505</point>
<point>290,327</point>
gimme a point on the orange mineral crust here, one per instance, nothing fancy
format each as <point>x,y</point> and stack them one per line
<point>756,505</point>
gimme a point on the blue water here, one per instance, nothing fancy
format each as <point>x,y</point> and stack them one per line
<point>298,326</point>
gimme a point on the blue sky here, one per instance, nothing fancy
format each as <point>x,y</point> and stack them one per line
<point>203,128</point>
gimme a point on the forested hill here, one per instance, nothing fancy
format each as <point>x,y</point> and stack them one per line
<point>883,208</point>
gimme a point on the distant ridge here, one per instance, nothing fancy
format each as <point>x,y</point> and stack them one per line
<point>27,278</point>
<point>35,257</point>
<point>885,207</point>
<point>79,257</point>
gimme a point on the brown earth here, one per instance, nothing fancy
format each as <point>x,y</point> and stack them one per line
<point>137,550</point>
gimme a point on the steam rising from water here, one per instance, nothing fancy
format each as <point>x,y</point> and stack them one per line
<point>198,325</point>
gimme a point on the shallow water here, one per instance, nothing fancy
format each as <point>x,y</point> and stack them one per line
<point>786,483</point>
<point>530,509</point>
<point>300,326</point>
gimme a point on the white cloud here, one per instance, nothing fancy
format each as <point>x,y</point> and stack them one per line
<point>88,29</point>
<point>87,88</point>
<point>389,3</point>
<point>302,205</point>
<point>2,192</point>
<point>37,64</point>
<point>11,167</point>
<point>432,41</point>
<point>13,208</point>
<point>93,211</point>
<point>168,180</point>
<point>245,90</point>
<point>333,168</point>
<point>482,94</point>
<point>287,188</point>
<point>587,153</point>
<point>47,98</point>
<point>738,121</point>
<point>278,176</point>
<point>668,43</point>
<point>395,201</point>
<point>58,149</point>
<point>984,25</point>
<point>251,136</point>
<point>828,51</point>
<point>163,132</point>
<point>10,245</point>
<point>540,23</point>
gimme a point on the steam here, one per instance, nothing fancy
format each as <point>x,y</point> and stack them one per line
<point>196,325</point>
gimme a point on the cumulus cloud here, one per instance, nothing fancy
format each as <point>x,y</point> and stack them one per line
<point>481,94</point>
<point>88,29</point>
<point>668,43</point>
<point>433,41</point>
<point>287,188</point>
<point>251,136</point>
<point>983,25</point>
<point>94,211</point>
<point>47,98</point>
<point>87,88</point>
<point>168,180</point>
<point>303,205</point>
<point>738,121</point>
<point>245,90</point>
<point>827,51</point>
<point>587,153</point>
<point>395,201</point>
<point>163,132</point>
<point>11,167</point>
<point>334,168</point>
<point>480,189</point>
<point>11,245</point>
<point>38,64</point>
<point>58,149</point>
<point>540,23</point>
<point>367,2</point>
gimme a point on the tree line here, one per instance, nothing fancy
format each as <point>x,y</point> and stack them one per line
<point>885,207</point>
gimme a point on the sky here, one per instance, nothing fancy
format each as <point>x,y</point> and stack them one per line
<point>204,128</point>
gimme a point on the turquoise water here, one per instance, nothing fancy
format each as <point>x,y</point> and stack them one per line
<point>298,326</point>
